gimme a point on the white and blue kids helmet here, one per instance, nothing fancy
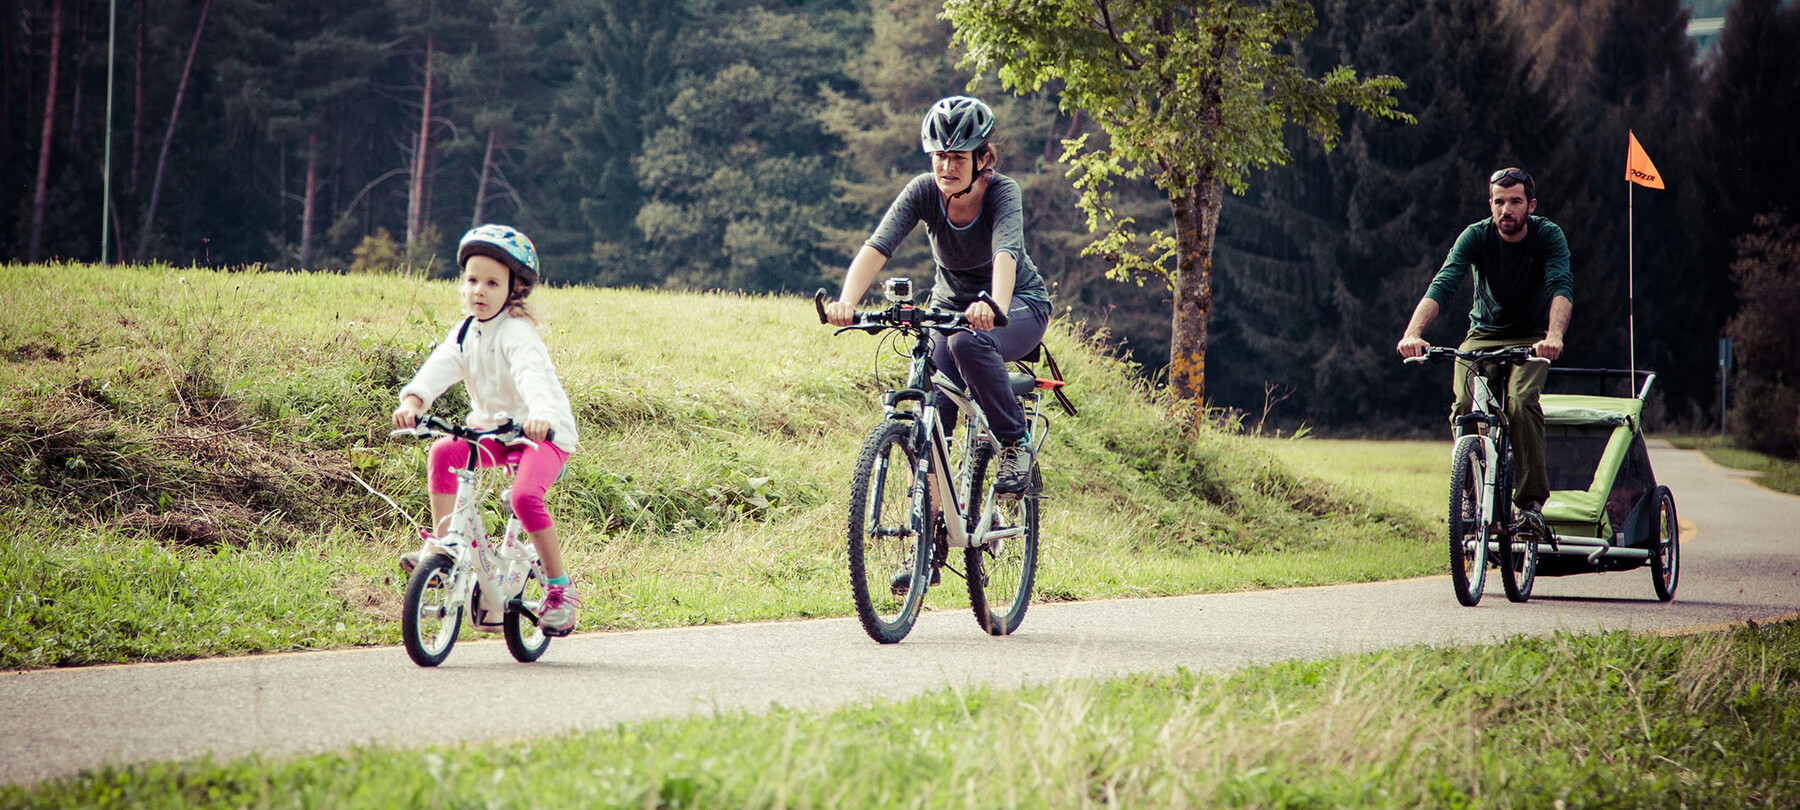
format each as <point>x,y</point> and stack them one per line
<point>956,124</point>
<point>506,245</point>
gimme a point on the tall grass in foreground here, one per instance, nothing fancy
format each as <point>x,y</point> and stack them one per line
<point>1616,720</point>
<point>194,445</point>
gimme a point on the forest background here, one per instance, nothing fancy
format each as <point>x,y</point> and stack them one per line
<point>751,145</point>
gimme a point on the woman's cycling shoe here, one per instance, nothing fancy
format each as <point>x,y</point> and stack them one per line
<point>1014,475</point>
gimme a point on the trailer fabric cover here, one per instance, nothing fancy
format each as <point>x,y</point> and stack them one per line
<point>1596,460</point>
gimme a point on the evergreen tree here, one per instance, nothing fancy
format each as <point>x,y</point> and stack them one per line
<point>1322,264</point>
<point>301,76</point>
<point>738,170</point>
<point>621,67</point>
<point>1766,336</point>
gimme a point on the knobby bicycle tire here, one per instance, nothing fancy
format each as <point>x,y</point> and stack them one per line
<point>1001,573</point>
<point>1467,531</point>
<point>881,539</point>
<point>1518,565</point>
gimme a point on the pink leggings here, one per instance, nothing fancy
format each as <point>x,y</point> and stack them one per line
<point>538,469</point>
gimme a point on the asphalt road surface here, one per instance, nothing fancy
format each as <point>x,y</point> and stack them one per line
<point>1740,561</point>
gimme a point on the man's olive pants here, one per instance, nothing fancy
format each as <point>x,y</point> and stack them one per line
<point>1524,416</point>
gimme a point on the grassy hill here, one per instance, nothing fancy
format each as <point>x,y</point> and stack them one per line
<point>186,453</point>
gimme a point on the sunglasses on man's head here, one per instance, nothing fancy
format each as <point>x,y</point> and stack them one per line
<point>1515,175</point>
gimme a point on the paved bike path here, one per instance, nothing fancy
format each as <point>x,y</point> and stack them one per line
<point>1741,561</point>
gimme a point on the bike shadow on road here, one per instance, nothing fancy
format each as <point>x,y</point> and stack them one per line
<point>1648,601</point>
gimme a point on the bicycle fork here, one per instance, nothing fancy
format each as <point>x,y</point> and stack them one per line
<point>1487,472</point>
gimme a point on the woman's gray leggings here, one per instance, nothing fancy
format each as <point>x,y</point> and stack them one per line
<point>977,360</point>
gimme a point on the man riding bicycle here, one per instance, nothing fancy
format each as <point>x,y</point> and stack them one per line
<point>1524,295</point>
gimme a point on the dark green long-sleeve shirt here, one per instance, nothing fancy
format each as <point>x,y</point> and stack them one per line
<point>1514,281</point>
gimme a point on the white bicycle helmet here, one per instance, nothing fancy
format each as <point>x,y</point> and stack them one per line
<point>956,124</point>
<point>505,245</point>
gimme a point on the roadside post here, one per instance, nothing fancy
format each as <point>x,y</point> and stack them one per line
<point>1724,372</point>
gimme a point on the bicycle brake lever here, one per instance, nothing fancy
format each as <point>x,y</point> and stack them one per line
<point>999,317</point>
<point>819,304</point>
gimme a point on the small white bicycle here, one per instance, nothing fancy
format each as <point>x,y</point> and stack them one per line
<point>497,581</point>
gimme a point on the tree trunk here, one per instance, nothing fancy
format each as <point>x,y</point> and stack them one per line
<point>81,49</point>
<point>415,202</point>
<point>309,201</point>
<point>43,171</point>
<point>137,115</point>
<point>487,160</point>
<point>1196,223</point>
<point>162,160</point>
<point>7,12</point>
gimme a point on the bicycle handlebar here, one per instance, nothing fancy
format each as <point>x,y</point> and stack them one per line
<point>508,433</point>
<point>907,315</point>
<point>1517,355</point>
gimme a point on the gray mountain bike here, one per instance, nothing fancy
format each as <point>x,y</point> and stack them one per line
<point>920,490</point>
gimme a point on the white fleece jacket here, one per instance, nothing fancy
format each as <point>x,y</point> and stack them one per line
<point>508,371</point>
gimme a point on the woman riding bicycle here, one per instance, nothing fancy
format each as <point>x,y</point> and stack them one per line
<point>975,219</point>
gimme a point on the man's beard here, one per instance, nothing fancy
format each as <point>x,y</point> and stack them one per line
<point>1510,226</point>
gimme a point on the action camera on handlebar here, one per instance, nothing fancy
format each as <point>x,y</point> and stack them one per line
<point>898,290</point>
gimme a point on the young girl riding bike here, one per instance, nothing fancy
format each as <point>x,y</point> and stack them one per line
<point>975,219</point>
<point>497,353</point>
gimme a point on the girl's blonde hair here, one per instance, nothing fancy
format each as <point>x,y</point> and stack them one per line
<point>515,304</point>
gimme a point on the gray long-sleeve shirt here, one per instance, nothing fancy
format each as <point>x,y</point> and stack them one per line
<point>965,256</point>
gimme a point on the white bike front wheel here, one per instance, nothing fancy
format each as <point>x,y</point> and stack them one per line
<point>429,621</point>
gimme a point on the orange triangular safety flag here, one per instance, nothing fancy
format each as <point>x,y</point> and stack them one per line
<point>1638,168</point>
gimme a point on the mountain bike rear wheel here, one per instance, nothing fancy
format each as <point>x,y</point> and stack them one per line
<point>1001,570</point>
<point>1518,565</point>
<point>883,542</point>
<point>525,638</point>
<point>428,622</point>
<point>1468,529</point>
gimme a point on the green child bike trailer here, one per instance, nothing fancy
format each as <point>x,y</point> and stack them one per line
<point>1605,512</point>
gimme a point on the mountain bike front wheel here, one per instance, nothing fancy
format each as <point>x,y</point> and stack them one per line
<point>1468,527</point>
<point>890,558</point>
<point>428,621</point>
<point>1001,570</point>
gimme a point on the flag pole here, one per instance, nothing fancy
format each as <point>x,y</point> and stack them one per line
<point>1630,285</point>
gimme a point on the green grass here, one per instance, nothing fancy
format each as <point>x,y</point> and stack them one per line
<point>1779,474</point>
<point>1615,720</point>
<point>191,444</point>
<point>1412,474</point>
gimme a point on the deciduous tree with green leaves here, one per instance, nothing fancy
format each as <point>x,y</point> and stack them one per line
<point>1192,94</point>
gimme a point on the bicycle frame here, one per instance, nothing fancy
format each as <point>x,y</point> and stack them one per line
<point>925,388</point>
<point>1486,414</point>
<point>500,572</point>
